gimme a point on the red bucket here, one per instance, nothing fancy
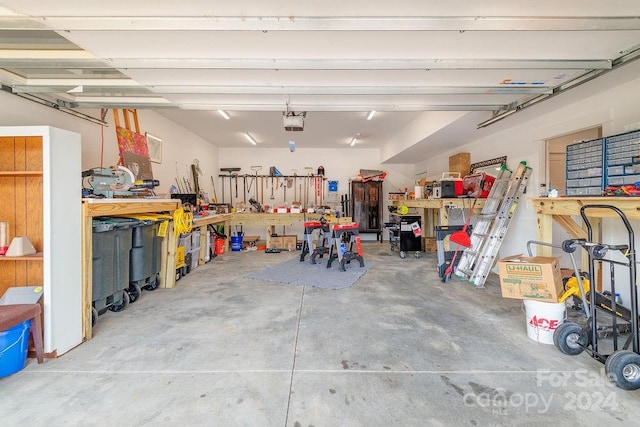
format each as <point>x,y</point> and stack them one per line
<point>219,246</point>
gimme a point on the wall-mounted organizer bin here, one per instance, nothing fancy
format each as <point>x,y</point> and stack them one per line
<point>584,168</point>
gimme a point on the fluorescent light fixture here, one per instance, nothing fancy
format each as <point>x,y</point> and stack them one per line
<point>224,114</point>
<point>371,114</point>
<point>249,138</point>
<point>353,141</point>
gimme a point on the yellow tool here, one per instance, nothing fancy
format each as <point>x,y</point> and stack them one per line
<point>572,288</point>
<point>403,210</point>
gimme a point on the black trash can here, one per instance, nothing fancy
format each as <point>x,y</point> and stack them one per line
<point>111,243</point>
<point>145,258</point>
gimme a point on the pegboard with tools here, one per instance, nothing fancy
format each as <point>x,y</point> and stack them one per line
<point>274,189</point>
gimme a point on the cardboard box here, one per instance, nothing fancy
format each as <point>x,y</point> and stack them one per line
<point>276,242</point>
<point>429,244</point>
<point>460,163</point>
<point>536,278</point>
<point>289,243</point>
<point>249,241</point>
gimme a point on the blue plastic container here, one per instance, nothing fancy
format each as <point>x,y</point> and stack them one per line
<point>236,243</point>
<point>13,348</point>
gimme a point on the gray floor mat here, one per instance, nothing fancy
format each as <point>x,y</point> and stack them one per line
<point>294,272</point>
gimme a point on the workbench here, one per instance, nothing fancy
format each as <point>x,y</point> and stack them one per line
<point>284,219</point>
<point>270,220</point>
<point>92,208</point>
<point>435,210</point>
<point>561,210</point>
<point>564,211</point>
<point>201,223</point>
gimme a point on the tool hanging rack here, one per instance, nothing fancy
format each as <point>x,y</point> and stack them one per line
<point>274,176</point>
<point>250,185</point>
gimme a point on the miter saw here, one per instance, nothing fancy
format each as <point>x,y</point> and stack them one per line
<point>118,181</point>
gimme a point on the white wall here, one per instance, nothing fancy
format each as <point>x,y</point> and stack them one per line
<point>613,109</point>
<point>180,146</point>
<point>339,164</point>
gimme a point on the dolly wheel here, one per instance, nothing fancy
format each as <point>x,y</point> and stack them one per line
<point>624,369</point>
<point>570,339</point>
<point>610,360</point>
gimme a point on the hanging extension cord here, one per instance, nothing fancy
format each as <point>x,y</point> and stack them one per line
<point>182,221</point>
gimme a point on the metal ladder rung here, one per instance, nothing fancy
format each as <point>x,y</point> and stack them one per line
<point>484,235</point>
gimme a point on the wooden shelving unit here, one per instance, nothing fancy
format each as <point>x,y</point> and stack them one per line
<point>41,190</point>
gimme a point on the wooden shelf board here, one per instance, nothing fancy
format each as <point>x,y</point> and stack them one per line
<point>34,257</point>
<point>20,173</point>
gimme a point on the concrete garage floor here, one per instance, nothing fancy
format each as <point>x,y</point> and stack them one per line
<point>397,348</point>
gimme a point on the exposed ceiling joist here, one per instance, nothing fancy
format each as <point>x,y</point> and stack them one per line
<point>156,102</point>
<point>358,64</point>
<point>115,85</point>
<point>44,60</point>
<point>324,23</point>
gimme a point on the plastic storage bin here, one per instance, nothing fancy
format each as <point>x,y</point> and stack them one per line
<point>183,256</point>
<point>13,348</point>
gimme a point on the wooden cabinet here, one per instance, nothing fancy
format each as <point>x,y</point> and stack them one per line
<point>366,206</point>
<point>40,193</point>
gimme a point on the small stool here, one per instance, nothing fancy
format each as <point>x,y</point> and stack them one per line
<point>343,237</point>
<point>12,315</point>
<point>307,240</point>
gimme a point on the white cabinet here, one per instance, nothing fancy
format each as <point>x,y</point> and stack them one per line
<point>40,197</point>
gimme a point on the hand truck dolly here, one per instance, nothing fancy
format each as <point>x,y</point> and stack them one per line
<point>622,365</point>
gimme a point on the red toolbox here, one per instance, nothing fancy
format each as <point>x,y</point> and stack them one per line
<point>478,185</point>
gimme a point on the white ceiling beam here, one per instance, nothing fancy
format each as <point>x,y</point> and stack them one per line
<point>324,23</point>
<point>352,90</point>
<point>356,64</point>
<point>344,107</point>
<point>72,59</point>
<point>11,78</point>
<point>157,102</point>
<point>109,101</point>
<point>72,81</point>
<point>19,22</point>
<point>44,54</point>
<point>113,86</point>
